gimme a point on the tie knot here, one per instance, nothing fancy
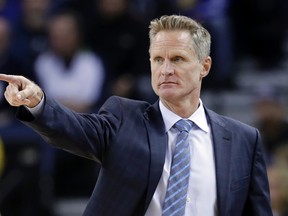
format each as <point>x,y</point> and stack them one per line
<point>183,125</point>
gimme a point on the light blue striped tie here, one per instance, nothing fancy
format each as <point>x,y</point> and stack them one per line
<point>175,199</point>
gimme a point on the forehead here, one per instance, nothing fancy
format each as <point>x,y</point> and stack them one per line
<point>171,40</point>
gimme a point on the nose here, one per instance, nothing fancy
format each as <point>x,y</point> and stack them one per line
<point>167,68</point>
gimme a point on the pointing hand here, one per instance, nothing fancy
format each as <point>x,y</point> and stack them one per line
<point>21,91</point>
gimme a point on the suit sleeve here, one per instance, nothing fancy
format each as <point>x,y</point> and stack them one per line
<point>86,135</point>
<point>258,202</point>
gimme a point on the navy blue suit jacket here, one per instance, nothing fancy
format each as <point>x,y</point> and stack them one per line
<point>128,138</point>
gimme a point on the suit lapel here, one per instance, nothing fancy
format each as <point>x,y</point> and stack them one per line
<point>157,143</point>
<point>222,143</point>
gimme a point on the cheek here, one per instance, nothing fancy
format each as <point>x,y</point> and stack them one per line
<point>191,77</point>
<point>154,80</point>
<point>194,75</point>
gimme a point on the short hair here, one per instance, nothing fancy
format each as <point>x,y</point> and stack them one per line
<point>201,39</point>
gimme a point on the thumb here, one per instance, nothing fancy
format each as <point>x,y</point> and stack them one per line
<point>25,93</point>
<point>30,96</point>
<point>20,96</point>
<point>23,97</point>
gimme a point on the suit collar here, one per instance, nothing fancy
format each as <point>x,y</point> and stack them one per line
<point>198,117</point>
<point>157,143</point>
<point>222,138</point>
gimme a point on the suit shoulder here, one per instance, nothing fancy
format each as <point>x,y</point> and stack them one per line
<point>125,104</point>
<point>228,122</point>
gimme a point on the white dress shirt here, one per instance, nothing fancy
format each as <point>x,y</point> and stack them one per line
<point>201,195</point>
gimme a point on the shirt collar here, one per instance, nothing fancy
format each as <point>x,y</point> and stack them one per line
<point>198,117</point>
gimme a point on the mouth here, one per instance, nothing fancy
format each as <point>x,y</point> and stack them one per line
<point>167,83</point>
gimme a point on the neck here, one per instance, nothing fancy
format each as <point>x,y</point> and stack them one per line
<point>183,109</point>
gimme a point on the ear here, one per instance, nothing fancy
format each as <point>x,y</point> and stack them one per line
<point>207,62</point>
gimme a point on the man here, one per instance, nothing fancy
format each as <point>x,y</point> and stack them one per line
<point>137,143</point>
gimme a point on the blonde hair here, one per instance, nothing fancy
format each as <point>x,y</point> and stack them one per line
<point>201,39</point>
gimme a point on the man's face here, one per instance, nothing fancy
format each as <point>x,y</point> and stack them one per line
<point>176,70</point>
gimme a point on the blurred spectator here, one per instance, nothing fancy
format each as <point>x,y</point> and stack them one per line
<point>21,191</point>
<point>278,182</point>
<point>271,119</point>
<point>214,15</point>
<point>10,9</point>
<point>29,33</point>
<point>74,76</point>
<point>8,62</point>
<point>151,9</point>
<point>281,154</point>
<point>21,187</point>
<point>122,41</point>
<point>67,71</point>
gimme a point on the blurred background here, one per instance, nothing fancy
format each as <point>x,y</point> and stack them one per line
<point>81,52</point>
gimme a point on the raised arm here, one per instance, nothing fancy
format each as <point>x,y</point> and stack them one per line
<point>21,91</point>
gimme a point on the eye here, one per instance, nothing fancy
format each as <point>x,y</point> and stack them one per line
<point>158,59</point>
<point>177,59</point>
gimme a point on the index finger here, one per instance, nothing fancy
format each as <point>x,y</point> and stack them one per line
<point>8,78</point>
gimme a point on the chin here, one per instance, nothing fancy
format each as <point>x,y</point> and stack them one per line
<point>167,95</point>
